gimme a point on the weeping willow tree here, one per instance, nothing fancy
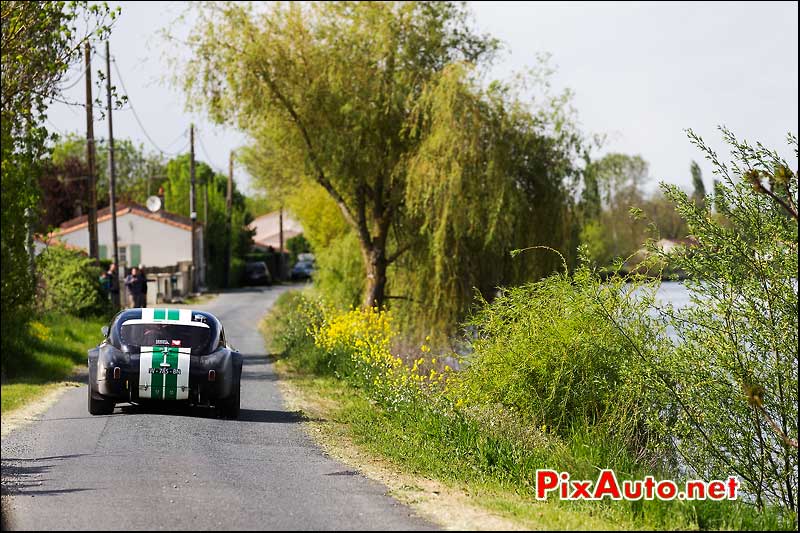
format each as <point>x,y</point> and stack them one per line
<point>492,173</point>
<point>382,105</point>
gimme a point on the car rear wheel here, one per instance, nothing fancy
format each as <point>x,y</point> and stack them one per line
<point>99,407</point>
<point>230,406</point>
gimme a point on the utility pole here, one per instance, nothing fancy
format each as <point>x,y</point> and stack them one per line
<point>192,212</point>
<point>90,155</point>
<point>112,178</point>
<point>205,230</point>
<point>280,237</point>
<point>228,222</point>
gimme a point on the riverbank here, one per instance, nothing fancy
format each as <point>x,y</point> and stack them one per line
<point>359,397</point>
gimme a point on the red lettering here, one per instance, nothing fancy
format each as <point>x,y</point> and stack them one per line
<point>581,490</point>
<point>716,490</point>
<point>667,490</point>
<point>695,490</point>
<point>649,485</point>
<point>632,490</point>
<point>733,484</point>
<point>546,481</point>
<point>607,486</point>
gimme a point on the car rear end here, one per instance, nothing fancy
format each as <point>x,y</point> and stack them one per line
<point>165,355</point>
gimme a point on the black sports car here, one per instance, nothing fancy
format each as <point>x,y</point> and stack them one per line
<point>164,355</point>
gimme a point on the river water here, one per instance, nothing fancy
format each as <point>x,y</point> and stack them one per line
<point>673,292</point>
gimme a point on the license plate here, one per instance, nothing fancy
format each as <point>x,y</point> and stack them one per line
<point>173,371</point>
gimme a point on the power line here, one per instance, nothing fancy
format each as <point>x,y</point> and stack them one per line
<point>205,152</point>
<point>73,84</point>
<point>136,115</point>
<point>183,134</point>
<point>58,130</point>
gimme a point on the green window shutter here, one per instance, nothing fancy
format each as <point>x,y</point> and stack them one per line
<point>103,251</point>
<point>136,255</point>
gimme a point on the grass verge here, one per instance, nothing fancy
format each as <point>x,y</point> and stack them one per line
<point>357,432</point>
<point>425,472</point>
<point>45,356</point>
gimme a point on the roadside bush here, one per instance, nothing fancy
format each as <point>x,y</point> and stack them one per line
<point>563,355</point>
<point>297,245</point>
<point>549,351</point>
<point>69,282</point>
<point>237,271</point>
<point>340,271</point>
<point>731,383</point>
<point>288,331</point>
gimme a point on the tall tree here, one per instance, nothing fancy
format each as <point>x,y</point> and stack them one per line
<point>333,86</point>
<point>40,40</point>
<point>699,193</point>
<point>590,198</point>
<point>63,191</point>
<point>614,234</point>
<point>360,97</point>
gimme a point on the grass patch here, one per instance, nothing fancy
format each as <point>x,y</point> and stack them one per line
<point>16,395</point>
<point>45,355</point>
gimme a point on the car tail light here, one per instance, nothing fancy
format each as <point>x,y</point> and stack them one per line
<point>212,375</point>
<point>117,372</point>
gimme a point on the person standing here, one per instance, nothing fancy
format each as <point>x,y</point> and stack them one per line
<point>134,284</point>
<point>143,278</point>
<point>110,282</point>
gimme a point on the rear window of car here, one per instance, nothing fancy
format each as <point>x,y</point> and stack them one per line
<point>198,337</point>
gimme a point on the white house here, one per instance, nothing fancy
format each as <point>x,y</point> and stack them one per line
<point>158,239</point>
<point>267,228</point>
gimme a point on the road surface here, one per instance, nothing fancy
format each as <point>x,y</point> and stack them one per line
<point>171,469</point>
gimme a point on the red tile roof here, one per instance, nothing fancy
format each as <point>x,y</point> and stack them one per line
<point>165,217</point>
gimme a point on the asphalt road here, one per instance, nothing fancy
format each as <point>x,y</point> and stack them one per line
<point>173,469</point>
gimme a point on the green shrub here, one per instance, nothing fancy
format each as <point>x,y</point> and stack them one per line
<point>297,245</point>
<point>340,271</point>
<point>548,351</point>
<point>288,331</point>
<point>427,429</point>
<point>69,282</point>
<point>731,384</point>
<point>237,271</point>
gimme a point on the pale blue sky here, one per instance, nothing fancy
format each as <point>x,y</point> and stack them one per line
<point>641,73</point>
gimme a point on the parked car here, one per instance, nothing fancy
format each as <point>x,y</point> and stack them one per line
<point>164,355</point>
<point>257,273</point>
<point>303,270</point>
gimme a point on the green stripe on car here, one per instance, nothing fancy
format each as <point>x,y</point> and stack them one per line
<point>157,380</point>
<point>171,380</point>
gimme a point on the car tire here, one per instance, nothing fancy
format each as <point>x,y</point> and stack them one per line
<point>230,405</point>
<point>99,407</point>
